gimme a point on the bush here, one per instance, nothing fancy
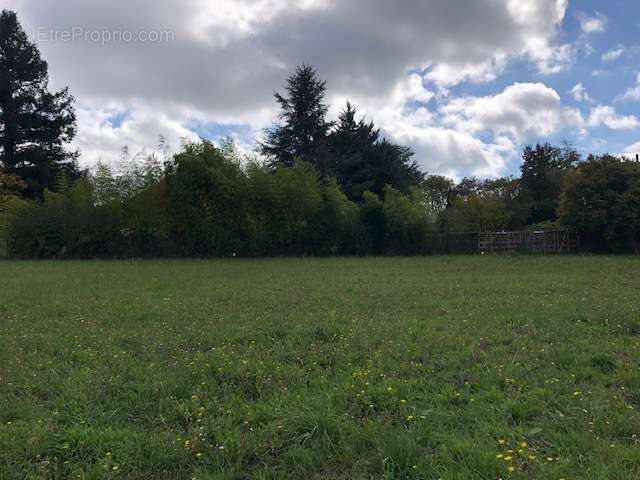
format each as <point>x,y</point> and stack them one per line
<point>59,227</point>
<point>285,208</point>
<point>407,222</point>
<point>206,202</point>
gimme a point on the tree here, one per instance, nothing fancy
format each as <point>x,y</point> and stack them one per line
<point>286,209</point>
<point>437,191</point>
<point>351,143</point>
<point>302,129</point>
<point>105,189</point>
<point>543,169</point>
<point>508,191</point>
<point>361,161</point>
<point>477,213</point>
<point>207,195</point>
<point>35,124</point>
<point>341,230</point>
<point>483,205</point>
<point>601,201</point>
<point>61,225</point>
<point>407,221</point>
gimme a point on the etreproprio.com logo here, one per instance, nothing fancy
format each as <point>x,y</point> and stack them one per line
<point>102,36</point>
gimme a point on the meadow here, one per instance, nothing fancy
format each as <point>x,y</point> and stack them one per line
<point>480,367</point>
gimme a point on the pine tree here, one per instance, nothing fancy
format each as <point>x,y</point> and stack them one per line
<point>302,130</point>
<point>364,162</point>
<point>35,124</point>
<point>351,143</point>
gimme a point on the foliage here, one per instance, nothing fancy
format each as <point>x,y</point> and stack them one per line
<point>59,226</point>
<point>11,205</point>
<point>303,129</point>
<point>349,150</point>
<point>362,162</point>
<point>35,124</point>
<point>481,205</point>
<point>543,170</point>
<point>437,191</point>
<point>407,222</point>
<point>477,213</point>
<point>601,200</point>
<point>285,207</point>
<point>341,227</point>
<point>208,201</point>
<point>207,194</point>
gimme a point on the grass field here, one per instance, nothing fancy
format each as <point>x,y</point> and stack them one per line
<point>445,367</point>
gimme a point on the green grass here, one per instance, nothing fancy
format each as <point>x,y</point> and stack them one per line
<point>327,369</point>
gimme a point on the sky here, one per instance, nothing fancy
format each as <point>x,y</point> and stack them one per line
<point>465,83</point>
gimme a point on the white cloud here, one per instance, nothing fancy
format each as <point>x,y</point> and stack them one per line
<point>448,74</point>
<point>536,17</point>
<point>452,152</point>
<point>219,23</point>
<point>633,93</point>
<point>228,57</point>
<point>595,24</point>
<point>607,116</point>
<point>100,138</point>
<point>612,55</point>
<point>521,110</point>
<point>554,59</point>
<point>579,93</point>
<point>631,151</point>
<point>476,135</point>
<point>414,89</point>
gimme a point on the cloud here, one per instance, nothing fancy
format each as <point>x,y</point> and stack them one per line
<point>612,55</point>
<point>632,94</point>
<point>101,138</point>
<point>454,153</point>
<point>554,59</point>
<point>631,151</point>
<point>594,24</point>
<point>449,74</point>
<point>228,56</point>
<point>607,116</point>
<point>579,93</point>
<point>521,110</point>
<point>477,135</point>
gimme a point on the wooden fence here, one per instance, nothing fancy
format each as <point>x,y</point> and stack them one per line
<point>542,241</point>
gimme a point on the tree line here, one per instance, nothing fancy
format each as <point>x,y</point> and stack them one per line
<point>314,186</point>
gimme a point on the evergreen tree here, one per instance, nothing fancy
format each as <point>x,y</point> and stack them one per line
<point>351,143</point>
<point>35,124</point>
<point>364,162</point>
<point>302,129</point>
